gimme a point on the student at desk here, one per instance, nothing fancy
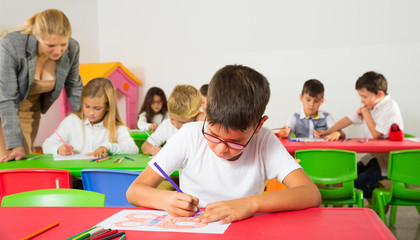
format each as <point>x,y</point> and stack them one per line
<point>376,115</point>
<point>153,111</point>
<point>306,123</point>
<point>226,161</point>
<point>96,129</point>
<point>183,107</point>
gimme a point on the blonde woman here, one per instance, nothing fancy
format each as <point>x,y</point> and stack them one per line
<point>96,129</point>
<point>35,64</point>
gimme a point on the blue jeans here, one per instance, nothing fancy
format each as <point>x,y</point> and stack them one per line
<point>367,176</point>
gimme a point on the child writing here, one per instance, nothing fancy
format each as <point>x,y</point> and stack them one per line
<point>310,119</point>
<point>378,113</point>
<point>183,107</point>
<point>153,111</point>
<point>226,160</point>
<point>96,129</point>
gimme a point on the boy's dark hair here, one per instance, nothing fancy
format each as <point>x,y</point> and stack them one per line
<point>146,107</point>
<point>237,97</point>
<point>313,88</point>
<point>204,89</point>
<point>373,82</point>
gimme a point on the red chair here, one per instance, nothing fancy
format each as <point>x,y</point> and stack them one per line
<point>27,179</point>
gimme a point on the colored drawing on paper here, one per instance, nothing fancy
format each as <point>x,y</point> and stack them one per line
<point>152,220</point>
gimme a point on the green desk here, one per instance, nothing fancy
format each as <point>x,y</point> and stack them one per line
<point>75,166</point>
<point>139,137</point>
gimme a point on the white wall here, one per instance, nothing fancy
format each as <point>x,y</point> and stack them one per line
<point>169,42</point>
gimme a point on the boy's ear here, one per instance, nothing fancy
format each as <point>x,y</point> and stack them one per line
<point>262,121</point>
<point>301,97</point>
<point>380,94</point>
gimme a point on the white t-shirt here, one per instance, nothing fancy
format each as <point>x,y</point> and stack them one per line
<point>165,131</point>
<point>142,123</point>
<point>213,179</point>
<point>71,130</point>
<point>384,113</point>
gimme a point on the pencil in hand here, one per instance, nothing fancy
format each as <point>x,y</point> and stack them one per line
<point>67,146</point>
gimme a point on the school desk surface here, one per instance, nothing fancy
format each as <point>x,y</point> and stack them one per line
<point>75,166</point>
<point>360,145</point>
<point>314,223</point>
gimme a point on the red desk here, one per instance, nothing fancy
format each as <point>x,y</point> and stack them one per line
<point>315,223</point>
<point>355,144</point>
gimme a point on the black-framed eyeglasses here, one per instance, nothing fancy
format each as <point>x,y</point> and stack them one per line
<point>233,145</point>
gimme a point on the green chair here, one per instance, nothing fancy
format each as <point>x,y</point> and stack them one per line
<point>334,171</point>
<point>139,137</point>
<point>404,172</point>
<point>55,198</point>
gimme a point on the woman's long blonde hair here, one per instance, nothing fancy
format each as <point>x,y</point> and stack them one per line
<point>47,23</point>
<point>103,88</point>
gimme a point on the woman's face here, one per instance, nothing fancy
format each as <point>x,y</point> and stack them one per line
<point>52,46</point>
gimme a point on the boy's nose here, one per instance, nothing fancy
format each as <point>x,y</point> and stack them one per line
<point>220,148</point>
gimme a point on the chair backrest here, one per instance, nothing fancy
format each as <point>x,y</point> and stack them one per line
<point>111,182</point>
<point>26,179</point>
<point>54,198</point>
<point>404,170</point>
<point>330,166</point>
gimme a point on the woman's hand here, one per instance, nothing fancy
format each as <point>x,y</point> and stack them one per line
<point>17,154</point>
<point>63,150</point>
<point>99,152</point>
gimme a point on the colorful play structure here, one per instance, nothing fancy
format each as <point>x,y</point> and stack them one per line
<point>124,81</point>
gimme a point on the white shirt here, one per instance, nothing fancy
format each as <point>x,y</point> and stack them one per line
<point>384,113</point>
<point>213,179</point>
<point>86,138</point>
<point>165,131</point>
<point>142,123</point>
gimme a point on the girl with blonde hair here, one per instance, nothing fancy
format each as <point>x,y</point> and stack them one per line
<point>96,129</point>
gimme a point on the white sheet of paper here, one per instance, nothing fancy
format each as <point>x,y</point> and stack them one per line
<point>159,221</point>
<point>301,139</point>
<point>413,139</point>
<point>58,157</point>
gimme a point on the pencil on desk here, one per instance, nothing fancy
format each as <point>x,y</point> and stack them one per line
<point>121,159</point>
<point>116,160</point>
<point>103,159</point>
<point>90,229</point>
<point>129,158</point>
<point>103,235</point>
<point>67,146</point>
<point>41,231</point>
<point>32,158</point>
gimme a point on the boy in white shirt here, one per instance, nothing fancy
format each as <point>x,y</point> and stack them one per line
<point>378,113</point>
<point>225,161</point>
<point>183,106</point>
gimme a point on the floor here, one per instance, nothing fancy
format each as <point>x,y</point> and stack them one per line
<point>407,225</point>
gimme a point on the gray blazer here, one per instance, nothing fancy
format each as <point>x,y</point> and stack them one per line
<point>17,72</point>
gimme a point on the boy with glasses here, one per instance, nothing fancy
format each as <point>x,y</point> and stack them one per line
<point>226,161</point>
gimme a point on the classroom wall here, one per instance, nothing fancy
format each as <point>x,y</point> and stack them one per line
<point>167,42</point>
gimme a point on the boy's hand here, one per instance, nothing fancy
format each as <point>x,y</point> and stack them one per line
<point>181,204</point>
<point>320,133</point>
<point>333,136</point>
<point>99,152</point>
<point>362,111</point>
<point>284,131</point>
<point>63,150</point>
<point>155,150</point>
<point>227,211</point>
